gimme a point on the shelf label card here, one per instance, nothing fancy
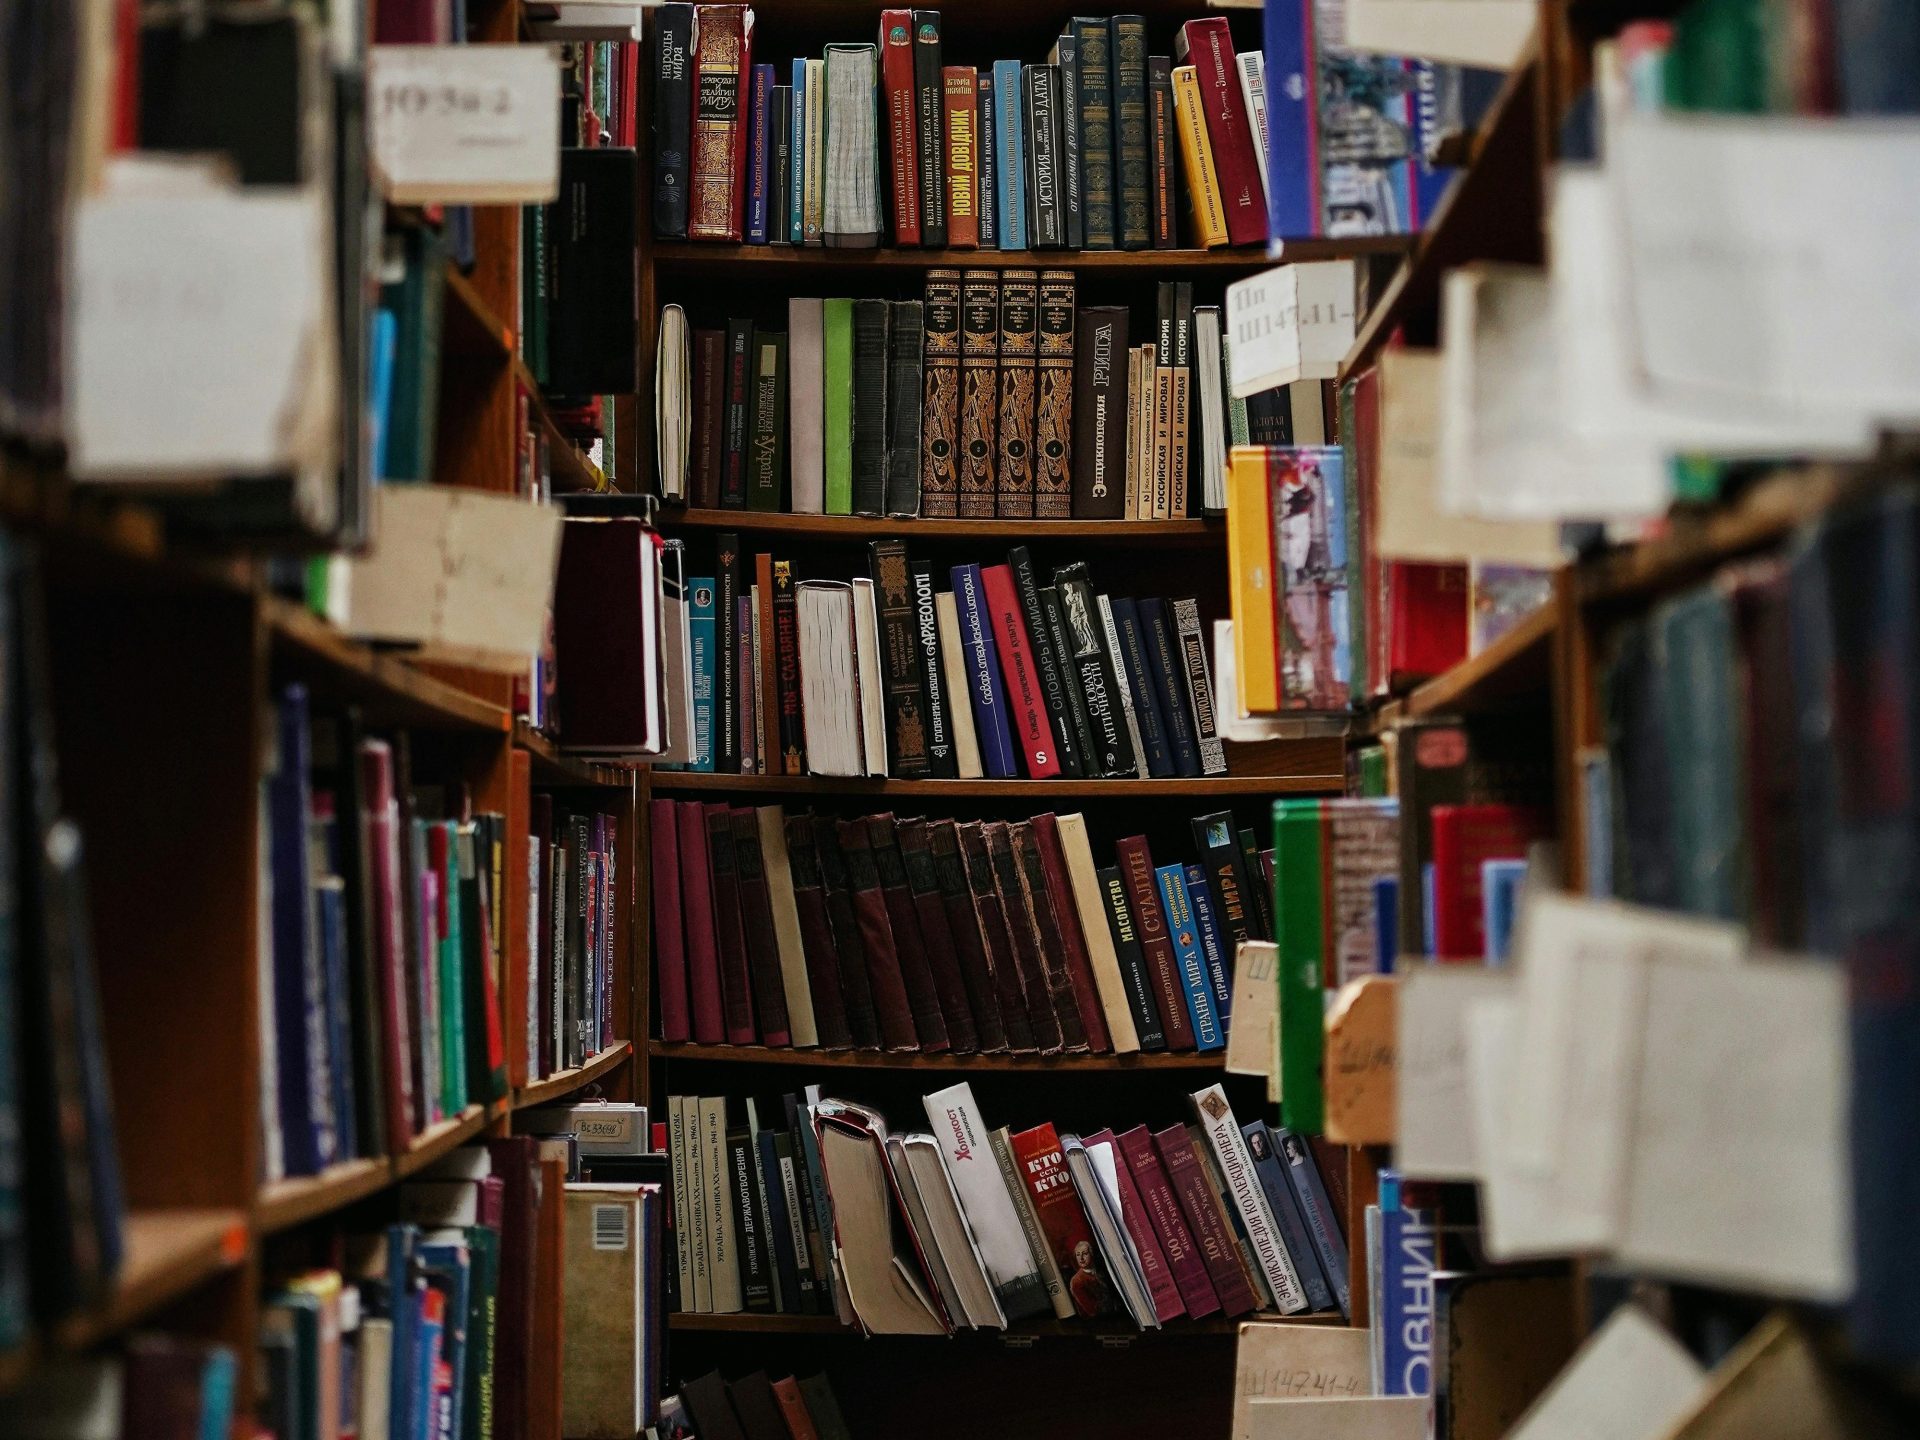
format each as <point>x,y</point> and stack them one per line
<point>1295,322</point>
<point>465,124</point>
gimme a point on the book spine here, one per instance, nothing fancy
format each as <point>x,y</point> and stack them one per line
<point>977,860</point>
<point>961,117</point>
<point>940,409</point>
<point>1093,51</point>
<point>805,373</point>
<point>1027,966</point>
<point>768,752</point>
<point>1272,1174</point>
<point>756,918</point>
<point>905,332</point>
<point>943,958</point>
<point>733,474</point>
<point>1111,748</point>
<point>1010,158</point>
<point>749,1225</point>
<point>816,935</point>
<point>1253,95</point>
<point>736,987</point>
<point>1134,978</point>
<point>1182,932</point>
<point>897,95</point>
<point>1061,644</point>
<point>1216,956</point>
<point>941,760</point>
<point>768,424</point>
<point>1013,493</point>
<point>672,119</point>
<point>786,640</point>
<point>910,947</point>
<point>1156,501</point>
<point>1322,1220</point>
<point>1047,666</point>
<point>669,930</point>
<point>931,117</point>
<point>780,156</point>
<point>1050,946</point>
<point>908,726</point>
<point>1053,424</point>
<point>1062,1221</point>
<point>709,416</point>
<point>1122,684</point>
<point>795,200</point>
<point>813,161</point>
<point>856,985</point>
<point>997,754</point>
<point>1140,687</point>
<point>1042,1252</point>
<point>969,942</point>
<point>1099,413</point>
<point>1131,146</point>
<point>1210,50</point>
<point>1208,1223</point>
<point>1169,180</point>
<point>1229,1148</point>
<point>1027,706</point>
<point>953,669</point>
<point>723,57</point>
<point>892,1009</point>
<point>1169,686</point>
<point>1203,183</point>
<point>1066,69</point>
<point>759,156</point>
<point>1084,993</point>
<point>1184,429</point>
<point>871,320</point>
<point>987,176</point>
<point>836,406</point>
<point>1143,901</point>
<point>726,704</point>
<point>1189,1270</point>
<point>1041,97</point>
<point>1193,654</point>
<point>1293,162</point>
<point>979,393</point>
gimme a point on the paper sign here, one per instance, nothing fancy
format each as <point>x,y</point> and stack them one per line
<point>1434,1127</point>
<point>1292,323</point>
<point>1298,1362</point>
<point>1400,1417</point>
<point>465,124</point>
<point>1630,1381</point>
<point>1361,1064</point>
<point>1519,1218</point>
<point>1490,34</point>
<point>1256,994</point>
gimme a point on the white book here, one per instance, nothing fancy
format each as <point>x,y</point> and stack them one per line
<point>1111,632</point>
<point>1489,34</point>
<point>1229,1148</point>
<point>953,666</point>
<point>1253,89</point>
<point>1630,1381</point>
<point>682,1201</point>
<point>686,1134</point>
<point>786,926</point>
<point>1090,904</point>
<point>723,1261</point>
<point>806,403</point>
<point>1306,402</point>
<point>866,648</point>
<point>985,1203</point>
<point>852,202</point>
<point>1214,439</point>
<point>376,1389</point>
<point>673,404</point>
<point>829,684</point>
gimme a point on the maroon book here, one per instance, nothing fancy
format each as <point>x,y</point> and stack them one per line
<point>969,944</point>
<point>890,1004</point>
<point>708,1012</point>
<point>943,958</point>
<point>611,693</point>
<point>756,924</point>
<point>1150,923</point>
<point>516,1161</point>
<point>816,936</point>
<point>1025,944</point>
<point>994,936</point>
<point>709,417</point>
<point>162,1388</point>
<point>1154,1267</point>
<point>736,988</point>
<point>856,985</point>
<point>909,944</point>
<point>383,861</point>
<point>669,926</point>
<point>1086,995</point>
<point>1049,946</point>
<point>1208,47</point>
<point>1184,1261</point>
<point>1204,1218</point>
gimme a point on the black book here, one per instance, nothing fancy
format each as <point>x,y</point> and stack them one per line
<point>592,342</point>
<point>870,325</point>
<point>672,118</point>
<point>1187,462</point>
<point>1100,413</point>
<point>1133,961</point>
<point>902,670</point>
<point>340,769</point>
<point>733,462</point>
<point>779,164</point>
<point>1262,888</point>
<point>705,1397</point>
<point>1046,660</point>
<point>811,1206</point>
<point>930,103</point>
<point>906,331</point>
<point>1046,200</point>
<point>1146,707</point>
<point>1170,685</point>
<point>1066,63</point>
<point>855,984</point>
<point>1133,184</point>
<point>726,597</point>
<point>1093,51</point>
<point>1219,846</point>
<point>749,1223</point>
<point>767,425</point>
<point>1112,746</point>
<point>1270,417</point>
<point>1056,620</point>
<point>942,757</point>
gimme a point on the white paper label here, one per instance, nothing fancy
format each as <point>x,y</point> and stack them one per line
<point>1292,323</point>
<point>465,124</point>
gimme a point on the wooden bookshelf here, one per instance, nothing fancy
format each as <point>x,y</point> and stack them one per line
<point>391,691</point>
<point>1038,792</point>
<point>552,766</point>
<point>913,1060</point>
<point>169,1252</point>
<point>563,1084</point>
<point>1513,668</point>
<point>693,256</point>
<point>852,529</point>
<point>1102,1331</point>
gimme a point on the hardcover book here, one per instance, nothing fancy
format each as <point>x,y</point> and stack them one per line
<point>1100,421</point>
<point>1207,45</point>
<point>998,757</point>
<point>1131,153</point>
<point>979,394</point>
<point>900,100</point>
<point>1053,428</point>
<point>1093,46</point>
<point>940,411</point>
<point>908,728</point>
<point>871,324</point>
<point>904,332</point>
<point>672,119</point>
<point>1019,348</point>
<point>1045,196</point>
<point>962,120</point>
<point>723,59</point>
<point>850,168</point>
<point>954,1119</point>
<point>930,122</point>
<point>1156,944</point>
<point>1043,1169</point>
<point>1064,60</point>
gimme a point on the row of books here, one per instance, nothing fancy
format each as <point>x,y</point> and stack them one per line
<point>943,936</point>
<point>1000,676</point>
<point>754,1407</point>
<point>154,1386</point>
<point>994,396</point>
<point>1102,146</point>
<point>962,1227</point>
<point>1744,58</point>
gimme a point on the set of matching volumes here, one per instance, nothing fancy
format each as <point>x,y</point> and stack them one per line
<point>753,1407</point>
<point>1101,147</point>
<point>937,936</point>
<point>1002,676</point>
<point>959,1227</point>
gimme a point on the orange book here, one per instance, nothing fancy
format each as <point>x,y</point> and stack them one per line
<point>1250,581</point>
<point>961,87</point>
<point>1203,183</point>
<point>793,1405</point>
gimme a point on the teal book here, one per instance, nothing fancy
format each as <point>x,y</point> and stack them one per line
<point>1694,645</point>
<point>1183,929</point>
<point>1298,931</point>
<point>701,642</point>
<point>797,179</point>
<point>1010,134</point>
<point>443,850</point>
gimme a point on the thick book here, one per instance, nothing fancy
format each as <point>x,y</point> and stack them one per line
<point>722,62</point>
<point>1049,666</point>
<point>930,116</point>
<point>672,119</point>
<point>669,926</point>
<point>739,423</point>
<point>1111,753</point>
<point>619,707</point>
<point>872,320</point>
<point>942,756</point>
<point>1053,423</point>
<point>736,985</point>
<point>1050,940</point>
<point>939,457</point>
<point>979,440</point>
<point>1207,45</point>
<point>759,156</point>
<point>954,1119</point>
<point>818,946</point>
<point>1264,1151</point>
<point>1132,154</point>
<point>1010,153</point>
<point>1026,711</point>
<point>969,940</point>
<point>1299,895</point>
<point>960,119</point>
<point>906,323</point>
<point>893,1010</point>
<point>1170,1228</point>
<point>806,405</point>
<point>916,970</point>
<point>899,101</point>
<point>984,694</point>
<point>1122,683</point>
<point>757,929</point>
<point>1064,1224</point>
<point>1170,180</point>
<point>1046,200</point>
<point>1015,408</point>
<point>750,1238</point>
<point>1023,938</point>
<point>943,958</point>
<point>1093,61</point>
<point>707,1011</point>
<point>850,180</point>
<point>1183,933</point>
<point>977,859</point>
<point>812,169</point>
<point>1229,1146</point>
<point>856,982</point>
<point>836,406</point>
<point>767,429</point>
<point>1209,218</point>
<point>789,942</point>
<point>1156,945</point>
<point>592,339</point>
<point>1155,1271</point>
<point>1140,685</point>
<point>709,417</point>
<point>1168,676</point>
<point>1099,453</point>
<point>1318,1211</point>
<point>1200,1206</point>
<point>907,724</point>
<point>986,164</point>
<point>1064,58</point>
<point>1092,983</point>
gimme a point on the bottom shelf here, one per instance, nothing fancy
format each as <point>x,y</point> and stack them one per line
<point>1105,1331</point>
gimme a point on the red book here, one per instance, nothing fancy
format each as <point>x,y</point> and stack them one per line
<point>1464,838</point>
<point>1133,1214</point>
<point>937,936</point>
<point>1366,483</point>
<point>1150,923</point>
<point>890,1001</point>
<point>909,945</point>
<point>709,417</point>
<point>1206,1220</point>
<point>977,859</point>
<point>1207,45</point>
<point>603,649</point>
<point>1024,939</point>
<point>1025,704</point>
<point>390,949</point>
<point>722,61</point>
<point>409,22</point>
<point>816,936</point>
<point>627,105</point>
<point>1086,995</point>
<point>899,100</point>
<point>515,1160</point>
<point>769,674</point>
<point>540,1056</point>
<point>1142,1166</point>
<point>1050,947</point>
<point>707,1012</point>
<point>736,989</point>
<point>1427,624</point>
<point>1044,1169</point>
<point>793,1409</point>
<point>960,86</point>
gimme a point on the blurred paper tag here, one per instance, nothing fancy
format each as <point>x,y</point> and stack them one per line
<point>1292,323</point>
<point>465,124</point>
<point>1490,34</point>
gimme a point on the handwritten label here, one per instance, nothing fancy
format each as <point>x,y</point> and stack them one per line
<point>1288,1362</point>
<point>1292,323</point>
<point>1434,1123</point>
<point>1361,1064</point>
<point>465,124</point>
<point>1256,989</point>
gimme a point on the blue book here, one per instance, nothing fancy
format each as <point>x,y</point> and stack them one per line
<point>1181,930</point>
<point>1293,171</point>
<point>405,1290</point>
<point>986,170</point>
<point>1427,923</point>
<point>1879,55</point>
<point>1264,1150</point>
<point>1409,1247</point>
<point>331,901</point>
<point>997,756</point>
<point>1146,702</point>
<point>701,640</point>
<point>759,156</point>
<point>449,1269</point>
<point>1386,921</point>
<point>305,1085</point>
<point>1329,1242</point>
<point>386,342</point>
<point>219,1379</point>
<point>1500,882</point>
<point>425,1355</point>
<point>1010,158</point>
<point>1213,943</point>
<point>797,190</point>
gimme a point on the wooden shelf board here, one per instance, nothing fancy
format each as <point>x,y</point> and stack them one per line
<point>1050,1328</point>
<point>392,691</point>
<point>562,1084</point>
<point>470,324</point>
<point>914,1060</point>
<point>572,471</point>
<point>168,1253</point>
<point>287,1203</point>
<point>1519,663</point>
<point>859,528</point>
<point>437,1140</point>
<point>553,766</point>
<point>1044,792</point>
<point>693,255</point>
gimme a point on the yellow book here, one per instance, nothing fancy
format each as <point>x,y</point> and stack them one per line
<point>1250,581</point>
<point>1203,185</point>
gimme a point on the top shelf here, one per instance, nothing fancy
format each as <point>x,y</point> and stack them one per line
<point>855,528</point>
<point>668,255</point>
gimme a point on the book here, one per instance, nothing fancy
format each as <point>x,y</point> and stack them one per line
<point>780,164</point>
<point>1229,1147</point>
<point>1199,687</point>
<point>1205,1220</point>
<point>806,405</point>
<point>1016,397</point>
<point>672,119</point>
<point>930,125</point>
<point>1064,61</point>
<point>1046,201</point>
<point>1292,170</point>
<point>1091,665</point>
<point>1093,60</point>
<point>1037,1243</point>
<point>1049,666</point>
<point>1131,958</point>
<point>1170,179</point>
<point>1183,932</point>
<point>1010,154</point>
<point>1208,46</point>
<point>1062,1221</point>
<point>1209,217</point>
<point>899,98</point>
<point>1133,184</point>
<point>991,1216</point>
<point>1167,675</point>
<point>986,169</point>
<point>872,324</point>
<point>739,414</point>
<point>998,757</point>
<point>1027,716</point>
<point>903,408</point>
<point>942,756</point>
<point>956,687</point>
<point>837,423</point>
<point>850,169</point>
<point>813,141</point>
<point>940,457</point>
<point>767,427</point>
<point>979,394</point>
<point>1156,944</point>
<point>722,62</point>
<point>1053,434</point>
<point>1317,1210</point>
<point>1100,420</point>
<point>960,103</point>
<point>592,343</point>
<point>759,174</point>
<point>1465,837</point>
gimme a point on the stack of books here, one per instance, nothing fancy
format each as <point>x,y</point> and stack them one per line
<point>962,1227</point>
<point>946,937</point>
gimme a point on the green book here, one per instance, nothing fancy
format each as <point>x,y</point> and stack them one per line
<point>767,421</point>
<point>1372,765</point>
<point>452,997</point>
<point>1298,927</point>
<point>1719,58</point>
<point>417,300</point>
<point>483,1291</point>
<point>837,422</point>
<point>1694,644</point>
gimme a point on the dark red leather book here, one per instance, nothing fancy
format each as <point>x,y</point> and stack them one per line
<point>890,1004</point>
<point>769,670</point>
<point>1208,47</point>
<point>956,898</point>
<point>408,22</point>
<point>736,987</point>
<point>1154,1267</point>
<point>1086,995</point>
<point>1169,1225</point>
<point>549,1247</point>
<point>1026,705</point>
<point>816,936</point>
<point>916,857</point>
<point>756,925</point>
<point>1150,923</point>
<point>898,102</point>
<point>383,851</point>
<point>856,985</point>
<point>709,417</point>
<point>1051,947</point>
<point>1428,619</point>
<point>669,926</point>
<point>707,1013</point>
<point>162,1388</point>
<point>994,937</point>
<point>908,943</point>
<point>1201,1207</point>
<point>722,61</point>
<point>1023,939</point>
<point>1465,837</point>
<point>606,650</point>
<point>515,1160</point>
